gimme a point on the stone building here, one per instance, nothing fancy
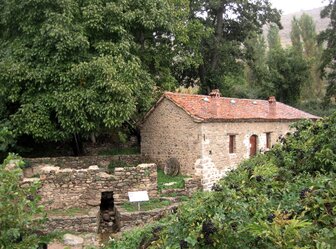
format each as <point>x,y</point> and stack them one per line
<point>210,135</point>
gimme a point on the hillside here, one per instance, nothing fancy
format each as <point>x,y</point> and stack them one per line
<point>321,24</point>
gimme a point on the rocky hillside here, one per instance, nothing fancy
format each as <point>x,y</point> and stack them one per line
<point>321,24</point>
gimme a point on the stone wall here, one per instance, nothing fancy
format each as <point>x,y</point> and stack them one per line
<point>170,132</point>
<point>82,188</point>
<point>127,220</point>
<point>216,161</point>
<point>35,164</point>
<point>84,223</point>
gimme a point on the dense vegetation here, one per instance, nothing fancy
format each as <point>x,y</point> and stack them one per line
<point>283,199</point>
<point>73,70</point>
<point>19,208</point>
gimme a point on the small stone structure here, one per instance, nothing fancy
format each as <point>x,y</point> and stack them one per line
<point>83,188</point>
<point>94,194</point>
<point>211,135</point>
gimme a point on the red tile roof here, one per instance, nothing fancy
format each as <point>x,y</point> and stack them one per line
<point>205,108</point>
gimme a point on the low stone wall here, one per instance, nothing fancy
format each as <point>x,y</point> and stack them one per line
<point>192,185</point>
<point>82,188</point>
<point>84,223</point>
<point>127,220</point>
<point>35,164</point>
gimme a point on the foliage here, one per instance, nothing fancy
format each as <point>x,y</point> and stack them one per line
<point>71,68</point>
<point>231,23</point>
<point>135,237</point>
<point>146,205</point>
<point>285,198</point>
<point>329,53</point>
<point>120,151</point>
<point>289,70</point>
<point>162,179</point>
<point>18,207</point>
<point>317,107</point>
<point>257,69</point>
<point>7,140</point>
<point>304,41</point>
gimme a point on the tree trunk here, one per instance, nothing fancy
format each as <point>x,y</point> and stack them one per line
<point>77,145</point>
<point>218,36</point>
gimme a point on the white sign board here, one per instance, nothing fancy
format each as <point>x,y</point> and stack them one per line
<point>138,196</point>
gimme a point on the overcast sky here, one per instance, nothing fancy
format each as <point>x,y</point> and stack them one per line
<point>290,6</point>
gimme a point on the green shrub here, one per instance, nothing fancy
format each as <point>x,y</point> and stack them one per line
<point>19,207</point>
<point>283,199</point>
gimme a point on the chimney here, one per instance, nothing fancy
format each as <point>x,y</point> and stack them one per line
<point>272,105</point>
<point>214,95</point>
<point>271,100</point>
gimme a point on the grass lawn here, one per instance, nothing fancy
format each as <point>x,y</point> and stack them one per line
<point>146,205</point>
<point>162,179</point>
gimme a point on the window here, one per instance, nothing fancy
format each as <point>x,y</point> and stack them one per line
<point>268,140</point>
<point>232,144</point>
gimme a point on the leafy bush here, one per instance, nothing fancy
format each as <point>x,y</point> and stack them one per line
<point>283,199</point>
<point>18,207</point>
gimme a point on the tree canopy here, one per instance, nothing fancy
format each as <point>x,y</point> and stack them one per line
<point>74,67</point>
<point>329,54</point>
<point>70,68</point>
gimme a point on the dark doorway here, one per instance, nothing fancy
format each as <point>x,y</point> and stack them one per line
<point>253,145</point>
<point>107,201</point>
<point>107,213</point>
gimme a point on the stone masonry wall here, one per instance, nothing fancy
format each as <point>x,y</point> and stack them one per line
<point>79,162</point>
<point>82,188</point>
<point>128,220</point>
<point>170,132</point>
<point>216,160</point>
<point>78,223</point>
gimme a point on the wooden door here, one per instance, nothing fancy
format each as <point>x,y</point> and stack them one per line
<point>253,145</point>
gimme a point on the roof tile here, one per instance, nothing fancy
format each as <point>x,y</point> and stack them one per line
<point>221,108</point>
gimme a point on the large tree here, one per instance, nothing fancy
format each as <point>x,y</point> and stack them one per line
<point>329,54</point>
<point>288,69</point>
<point>257,71</point>
<point>232,22</point>
<point>304,41</point>
<point>69,68</point>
